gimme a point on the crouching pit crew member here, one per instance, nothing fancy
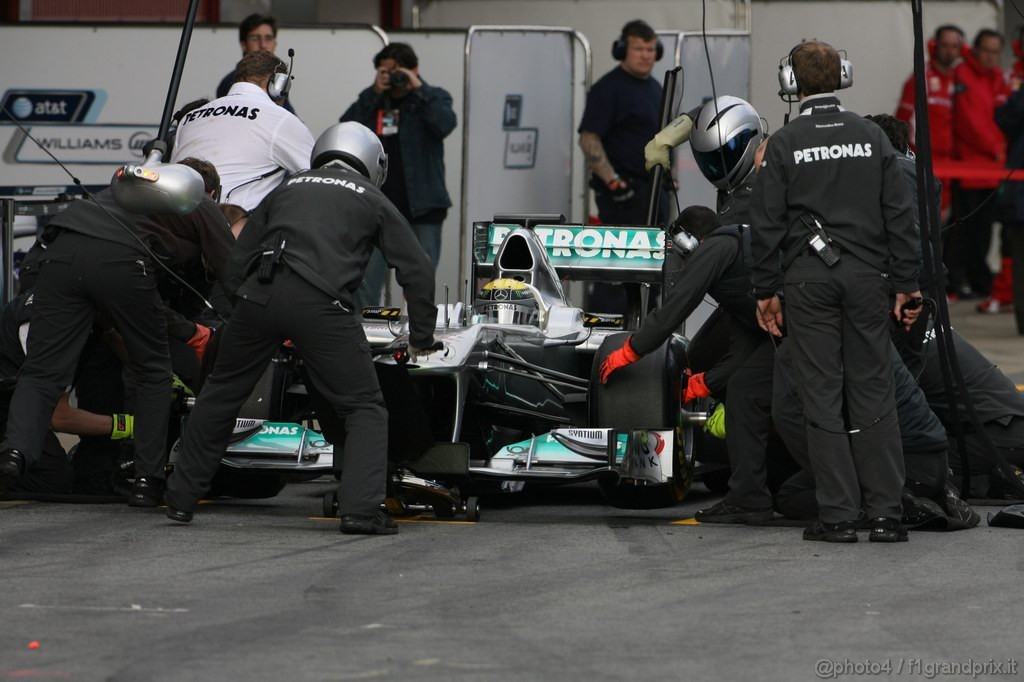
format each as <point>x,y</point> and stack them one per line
<point>720,266</point>
<point>293,273</point>
<point>831,199</point>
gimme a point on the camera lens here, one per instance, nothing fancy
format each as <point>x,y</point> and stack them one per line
<point>398,79</point>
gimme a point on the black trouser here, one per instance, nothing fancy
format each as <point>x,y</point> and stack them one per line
<point>748,407</point>
<point>966,249</point>
<point>1015,233</point>
<point>80,275</point>
<point>100,388</point>
<point>611,298</point>
<point>333,347</point>
<point>926,475</point>
<point>51,473</point>
<point>838,332</point>
<point>1009,441</point>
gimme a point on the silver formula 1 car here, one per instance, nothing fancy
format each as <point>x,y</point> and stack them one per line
<point>512,396</point>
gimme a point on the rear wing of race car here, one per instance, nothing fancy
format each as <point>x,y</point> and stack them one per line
<point>601,253</point>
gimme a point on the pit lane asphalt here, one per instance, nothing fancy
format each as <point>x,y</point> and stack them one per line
<point>550,584</point>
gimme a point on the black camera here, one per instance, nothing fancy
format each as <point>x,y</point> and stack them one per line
<point>398,79</point>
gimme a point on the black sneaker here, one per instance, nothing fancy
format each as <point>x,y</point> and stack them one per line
<point>12,466</point>
<point>146,492</point>
<point>723,512</point>
<point>845,531</point>
<point>956,508</point>
<point>179,515</point>
<point>1006,487</point>
<point>374,524</point>
<point>887,530</point>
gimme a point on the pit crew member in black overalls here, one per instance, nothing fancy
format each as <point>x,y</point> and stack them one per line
<point>725,142</point>
<point>831,175</point>
<point>294,270</point>
<point>720,266</point>
<point>100,258</point>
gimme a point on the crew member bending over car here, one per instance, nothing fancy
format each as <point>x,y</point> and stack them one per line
<point>101,258</point>
<point>294,270</point>
<point>720,266</point>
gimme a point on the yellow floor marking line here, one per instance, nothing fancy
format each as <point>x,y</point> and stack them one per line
<point>686,522</point>
<point>400,520</point>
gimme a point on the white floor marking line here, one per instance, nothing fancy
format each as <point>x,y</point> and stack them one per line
<point>133,608</point>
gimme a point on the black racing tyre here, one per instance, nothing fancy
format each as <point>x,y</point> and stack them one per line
<point>643,395</point>
<point>330,502</point>
<point>247,485</point>
<point>473,508</point>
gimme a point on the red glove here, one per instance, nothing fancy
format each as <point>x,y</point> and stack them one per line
<point>617,360</point>
<point>199,340</point>
<point>696,388</point>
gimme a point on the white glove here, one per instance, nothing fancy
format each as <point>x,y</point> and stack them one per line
<point>416,353</point>
<point>669,137</point>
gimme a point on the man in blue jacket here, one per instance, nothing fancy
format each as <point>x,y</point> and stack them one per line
<point>411,118</point>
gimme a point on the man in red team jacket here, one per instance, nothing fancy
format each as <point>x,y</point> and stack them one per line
<point>980,88</point>
<point>944,51</point>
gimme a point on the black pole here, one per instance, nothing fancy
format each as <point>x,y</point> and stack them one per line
<point>664,118</point>
<point>179,67</point>
<point>931,239</point>
<point>931,242</point>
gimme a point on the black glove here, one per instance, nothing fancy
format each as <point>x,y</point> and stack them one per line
<point>416,353</point>
<point>621,192</point>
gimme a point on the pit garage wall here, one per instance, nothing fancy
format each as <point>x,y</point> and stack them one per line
<point>124,71</point>
<point>877,34</point>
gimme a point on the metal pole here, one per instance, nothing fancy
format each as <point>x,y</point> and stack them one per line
<point>8,246</point>
<point>179,67</point>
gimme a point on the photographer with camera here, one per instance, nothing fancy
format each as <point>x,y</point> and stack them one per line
<point>411,118</point>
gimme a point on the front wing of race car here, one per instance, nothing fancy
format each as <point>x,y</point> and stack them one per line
<point>640,456</point>
<point>274,447</point>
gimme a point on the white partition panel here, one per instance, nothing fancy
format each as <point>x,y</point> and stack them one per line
<point>95,107</point>
<point>442,56</point>
<point>730,59</point>
<point>520,123</point>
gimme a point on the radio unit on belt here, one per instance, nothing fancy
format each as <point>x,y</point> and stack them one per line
<point>819,241</point>
<point>268,261</point>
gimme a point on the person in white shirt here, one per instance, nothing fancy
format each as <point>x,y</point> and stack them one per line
<point>253,142</point>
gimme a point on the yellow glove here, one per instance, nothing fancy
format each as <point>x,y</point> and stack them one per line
<point>669,137</point>
<point>178,386</point>
<point>122,427</point>
<point>715,425</point>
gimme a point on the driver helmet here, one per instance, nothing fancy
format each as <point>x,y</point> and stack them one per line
<point>354,146</point>
<point>507,301</point>
<point>725,136</point>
